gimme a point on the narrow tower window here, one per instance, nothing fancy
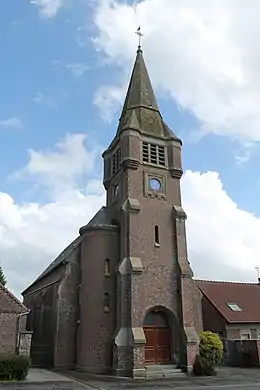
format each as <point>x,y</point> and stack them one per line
<point>116,160</point>
<point>106,302</point>
<point>156,235</point>
<point>107,267</point>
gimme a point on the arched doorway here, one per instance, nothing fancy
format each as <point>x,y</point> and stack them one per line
<point>158,338</point>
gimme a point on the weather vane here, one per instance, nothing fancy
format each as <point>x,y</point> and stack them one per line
<point>140,35</point>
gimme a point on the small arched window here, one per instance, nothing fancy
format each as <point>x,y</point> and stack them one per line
<point>107,267</point>
<point>156,235</point>
<point>106,302</point>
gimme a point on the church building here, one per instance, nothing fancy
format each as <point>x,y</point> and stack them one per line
<point>121,297</point>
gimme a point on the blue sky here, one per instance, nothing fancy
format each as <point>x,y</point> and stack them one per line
<point>64,69</point>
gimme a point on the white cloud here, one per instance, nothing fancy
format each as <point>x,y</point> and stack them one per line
<point>61,169</point>
<point>222,239</point>
<point>13,122</point>
<point>107,98</point>
<point>205,53</point>
<point>48,8</point>
<point>32,234</point>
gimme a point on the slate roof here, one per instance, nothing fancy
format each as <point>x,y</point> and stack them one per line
<point>57,261</point>
<point>140,110</point>
<point>9,303</point>
<point>140,91</point>
<point>245,295</point>
<point>102,219</point>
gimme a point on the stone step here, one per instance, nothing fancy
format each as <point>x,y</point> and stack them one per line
<point>163,371</point>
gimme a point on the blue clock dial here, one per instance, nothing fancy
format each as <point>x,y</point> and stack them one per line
<point>155,184</point>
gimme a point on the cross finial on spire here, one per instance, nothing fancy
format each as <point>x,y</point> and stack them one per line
<point>140,35</point>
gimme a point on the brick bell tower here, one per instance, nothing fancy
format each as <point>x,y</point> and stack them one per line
<point>155,320</point>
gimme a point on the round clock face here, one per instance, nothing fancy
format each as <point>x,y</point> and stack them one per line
<point>155,184</point>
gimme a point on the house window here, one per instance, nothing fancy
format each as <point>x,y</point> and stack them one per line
<point>234,307</point>
<point>245,335</point>
<point>116,160</point>
<point>107,267</point>
<point>156,235</point>
<point>153,154</point>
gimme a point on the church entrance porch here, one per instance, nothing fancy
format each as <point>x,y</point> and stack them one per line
<point>158,338</point>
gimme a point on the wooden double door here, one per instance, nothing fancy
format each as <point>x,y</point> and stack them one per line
<point>158,338</point>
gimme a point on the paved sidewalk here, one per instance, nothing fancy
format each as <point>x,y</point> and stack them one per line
<point>39,379</point>
<point>40,375</point>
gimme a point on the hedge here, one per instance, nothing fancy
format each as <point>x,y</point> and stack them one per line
<point>13,367</point>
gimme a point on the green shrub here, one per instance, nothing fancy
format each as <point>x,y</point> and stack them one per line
<point>14,367</point>
<point>210,354</point>
<point>202,367</point>
<point>211,347</point>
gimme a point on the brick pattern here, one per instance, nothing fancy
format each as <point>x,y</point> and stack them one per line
<point>41,299</point>
<point>8,332</point>
<point>68,312</point>
<point>159,285</point>
<point>138,356</point>
<point>9,303</point>
<point>97,326</point>
<point>123,359</point>
<point>10,322</point>
<point>192,351</point>
<point>25,339</point>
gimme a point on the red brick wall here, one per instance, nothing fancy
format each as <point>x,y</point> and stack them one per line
<point>97,326</point>
<point>212,319</point>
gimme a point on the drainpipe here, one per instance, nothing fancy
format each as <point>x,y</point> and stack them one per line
<point>18,327</point>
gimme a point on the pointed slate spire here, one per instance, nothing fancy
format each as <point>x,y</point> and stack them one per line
<point>140,92</point>
<point>140,110</point>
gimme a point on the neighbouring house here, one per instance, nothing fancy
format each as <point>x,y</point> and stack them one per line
<point>14,338</point>
<point>232,310</point>
<point>122,297</point>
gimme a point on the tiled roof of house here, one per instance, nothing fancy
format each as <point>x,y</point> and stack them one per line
<point>9,303</point>
<point>222,294</point>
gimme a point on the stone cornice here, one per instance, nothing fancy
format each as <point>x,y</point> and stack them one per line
<point>131,205</point>
<point>84,229</point>
<point>179,213</point>
<point>130,164</point>
<point>176,173</point>
<point>106,184</point>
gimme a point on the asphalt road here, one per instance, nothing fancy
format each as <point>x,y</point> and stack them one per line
<point>76,386</point>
